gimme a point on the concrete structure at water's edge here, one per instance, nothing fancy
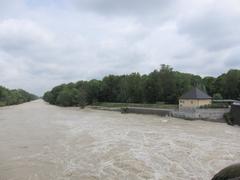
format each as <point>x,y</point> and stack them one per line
<point>194,98</point>
<point>235,112</point>
<point>190,103</point>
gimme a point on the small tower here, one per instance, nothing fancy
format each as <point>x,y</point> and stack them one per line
<point>194,98</point>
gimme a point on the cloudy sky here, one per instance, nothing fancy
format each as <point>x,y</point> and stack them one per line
<point>48,42</point>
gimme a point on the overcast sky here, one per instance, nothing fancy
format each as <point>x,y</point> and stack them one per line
<point>44,43</point>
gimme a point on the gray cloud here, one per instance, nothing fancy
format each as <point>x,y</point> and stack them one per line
<point>125,7</point>
<point>22,36</point>
<point>42,46</point>
<point>214,29</point>
<point>233,58</point>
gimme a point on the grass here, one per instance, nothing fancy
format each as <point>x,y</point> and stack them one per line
<point>116,105</point>
<point>2,104</point>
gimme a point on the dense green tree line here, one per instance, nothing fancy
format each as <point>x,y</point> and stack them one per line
<point>16,96</point>
<point>163,85</point>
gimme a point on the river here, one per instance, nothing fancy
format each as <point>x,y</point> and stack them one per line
<point>44,142</point>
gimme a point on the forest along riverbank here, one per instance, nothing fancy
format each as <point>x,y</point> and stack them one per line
<point>40,141</point>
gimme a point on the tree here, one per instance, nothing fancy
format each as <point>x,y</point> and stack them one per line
<point>231,86</point>
<point>132,88</point>
<point>110,88</point>
<point>168,84</point>
<point>55,93</point>
<point>217,96</point>
<point>93,91</point>
<point>48,96</point>
<point>151,88</point>
<point>15,96</point>
<point>82,98</point>
<point>64,98</point>
<point>219,85</point>
<point>163,85</point>
<point>209,84</point>
<point>183,83</point>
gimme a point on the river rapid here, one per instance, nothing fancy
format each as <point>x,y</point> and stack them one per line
<point>44,142</point>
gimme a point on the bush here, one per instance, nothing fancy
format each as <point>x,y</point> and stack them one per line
<point>228,118</point>
<point>69,96</point>
<point>215,106</point>
<point>217,96</point>
<point>15,96</point>
<point>124,110</point>
<point>64,98</point>
<point>82,98</point>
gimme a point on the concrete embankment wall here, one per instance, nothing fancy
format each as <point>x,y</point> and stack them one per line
<point>105,108</point>
<point>190,114</point>
<point>235,111</point>
<point>160,112</point>
<point>203,114</point>
<point>215,115</point>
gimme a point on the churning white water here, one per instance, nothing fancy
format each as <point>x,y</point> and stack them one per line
<point>43,142</point>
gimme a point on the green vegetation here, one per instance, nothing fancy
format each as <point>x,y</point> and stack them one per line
<point>144,105</point>
<point>124,110</point>
<point>217,96</point>
<point>215,106</point>
<point>163,85</point>
<point>16,96</point>
<point>228,118</point>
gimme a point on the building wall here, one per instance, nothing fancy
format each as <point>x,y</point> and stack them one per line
<point>193,103</point>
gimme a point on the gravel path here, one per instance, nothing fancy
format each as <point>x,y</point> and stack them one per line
<point>43,142</point>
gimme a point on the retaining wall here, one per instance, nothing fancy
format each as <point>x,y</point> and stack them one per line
<point>203,114</point>
<point>235,111</point>
<point>215,115</point>
<point>154,111</point>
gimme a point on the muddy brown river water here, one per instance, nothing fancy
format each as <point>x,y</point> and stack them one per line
<point>43,142</point>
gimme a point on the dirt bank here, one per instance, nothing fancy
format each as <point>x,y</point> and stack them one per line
<point>39,141</point>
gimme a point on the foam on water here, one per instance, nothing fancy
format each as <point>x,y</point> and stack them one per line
<point>39,141</point>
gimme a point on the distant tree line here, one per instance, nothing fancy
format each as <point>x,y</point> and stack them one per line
<point>163,85</point>
<point>16,96</point>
